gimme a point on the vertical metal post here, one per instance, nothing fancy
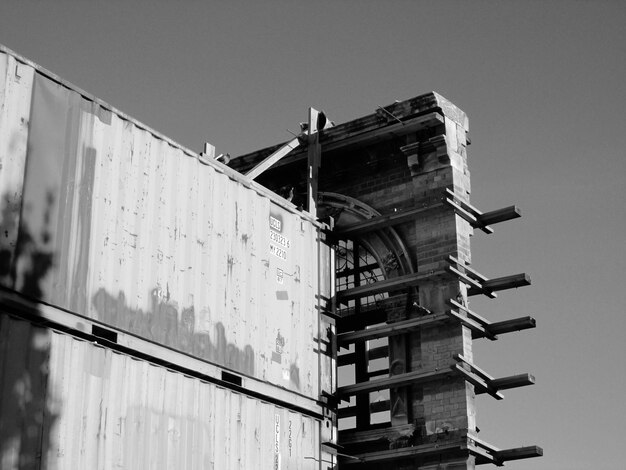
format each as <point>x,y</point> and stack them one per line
<point>314,154</point>
<point>360,349</point>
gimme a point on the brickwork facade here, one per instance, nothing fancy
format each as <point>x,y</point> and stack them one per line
<point>408,172</point>
<point>383,169</point>
<point>446,406</point>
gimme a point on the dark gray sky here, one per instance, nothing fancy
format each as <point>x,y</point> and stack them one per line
<point>544,85</point>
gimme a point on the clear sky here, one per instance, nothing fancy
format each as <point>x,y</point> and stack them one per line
<point>544,85</point>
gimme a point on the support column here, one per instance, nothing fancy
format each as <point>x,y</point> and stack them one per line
<point>443,409</point>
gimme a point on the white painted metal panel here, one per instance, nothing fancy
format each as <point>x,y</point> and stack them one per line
<point>123,226</point>
<point>16,82</point>
<point>72,404</point>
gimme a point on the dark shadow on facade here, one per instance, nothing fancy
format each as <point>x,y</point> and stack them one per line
<point>164,324</point>
<point>28,410</point>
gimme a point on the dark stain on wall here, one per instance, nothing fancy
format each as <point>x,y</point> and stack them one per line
<point>165,324</point>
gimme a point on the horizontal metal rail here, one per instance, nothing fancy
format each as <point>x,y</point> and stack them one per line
<point>16,305</point>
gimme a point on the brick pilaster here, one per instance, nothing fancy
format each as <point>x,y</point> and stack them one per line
<point>445,407</point>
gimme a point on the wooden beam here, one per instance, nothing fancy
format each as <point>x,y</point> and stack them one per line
<point>504,455</point>
<point>480,385</point>
<point>350,271</point>
<point>349,134</point>
<point>374,353</point>
<point>483,452</point>
<point>339,137</point>
<point>369,316</point>
<point>474,316</point>
<point>503,383</point>
<point>380,406</point>
<point>273,158</point>
<point>330,314</point>
<point>479,219</point>
<point>383,221</point>
<point>464,277</point>
<point>502,283</point>
<point>467,269</point>
<point>467,216</point>
<point>394,381</point>
<point>357,132</point>
<point>500,215</point>
<point>376,407</point>
<point>465,205</point>
<point>406,111</point>
<point>351,436</point>
<point>495,328</point>
<point>390,329</point>
<point>481,443</point>
<point>475,286</point>
<point>419,451</point>
<point>483,456</point>
<point>470,276</point>
<point>478,331</point>
<point>372,314</point>
<point>387,285</point>
<point>513,381</point>
<point>515,324</point>
<point>378,373</point>
<point>526,452</point>
<point>474,368</point>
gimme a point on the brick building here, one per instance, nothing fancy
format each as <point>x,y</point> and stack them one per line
<point>394,187</point>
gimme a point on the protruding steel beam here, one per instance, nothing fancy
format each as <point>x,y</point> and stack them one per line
<point>374,353</point>
<point>351,436</point>
<point>398,380</point>
<point>387,285</point>
<point>412,452</point>
<point>479,284</point>
<point>513,381</point>
<point>500,215</point>
<point>478,330</point>
<point>390,329</point>
<point>515,324</point>
<point>502,283</point>
<point>467,215</point>
<point>273,158</point>
<point>485,382</point>
<point>376,407</point>
<point>519,453</point>
<point>481,327</point>
<point>477,218</point>
<point>480,385</point>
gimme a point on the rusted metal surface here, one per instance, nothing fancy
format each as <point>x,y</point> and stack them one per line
<point>105,218</point>
<point>69,404</point>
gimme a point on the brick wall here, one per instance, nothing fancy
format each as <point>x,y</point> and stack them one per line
<point>400,173</point>
<point>408,172</point>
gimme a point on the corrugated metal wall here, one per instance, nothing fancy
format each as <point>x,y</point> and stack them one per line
<point>107,219</point>
<point>16,83</point>
<point>69,404</point>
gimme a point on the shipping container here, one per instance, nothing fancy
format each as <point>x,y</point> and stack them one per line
<point>67,403</point>
<point>103,217</point>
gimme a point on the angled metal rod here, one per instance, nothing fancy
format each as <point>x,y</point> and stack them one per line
<point>273,158</point>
